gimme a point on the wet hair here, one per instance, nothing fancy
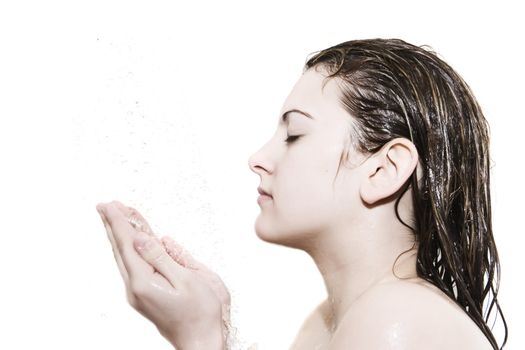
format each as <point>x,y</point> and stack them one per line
<point>394,89</point>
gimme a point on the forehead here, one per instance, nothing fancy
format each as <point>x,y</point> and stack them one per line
<point>314,94</point>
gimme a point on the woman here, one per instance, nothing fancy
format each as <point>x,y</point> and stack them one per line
<point>379,170</point>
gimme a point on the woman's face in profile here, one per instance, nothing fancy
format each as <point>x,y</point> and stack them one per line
<point>299,174</point>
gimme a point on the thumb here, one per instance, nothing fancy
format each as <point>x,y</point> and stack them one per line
<point>153,252</point>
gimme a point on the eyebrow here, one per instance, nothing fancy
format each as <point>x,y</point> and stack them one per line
<point>284,117</point>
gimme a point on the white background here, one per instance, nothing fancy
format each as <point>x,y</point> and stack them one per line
<point>160,105</point>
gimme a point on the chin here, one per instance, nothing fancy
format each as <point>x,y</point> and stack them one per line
<point>265,232</point>
<point>278,236</point>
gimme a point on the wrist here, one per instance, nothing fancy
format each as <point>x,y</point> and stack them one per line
<point>203,344</point>
<point>213,340</point>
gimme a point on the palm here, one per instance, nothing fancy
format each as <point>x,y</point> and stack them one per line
<point>181,256</point>
<point>201,271</point>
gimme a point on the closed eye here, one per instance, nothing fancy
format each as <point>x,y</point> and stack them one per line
<point>292,138</point>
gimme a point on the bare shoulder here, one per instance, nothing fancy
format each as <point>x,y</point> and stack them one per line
<point>315,330</point>
<point>407,315</point>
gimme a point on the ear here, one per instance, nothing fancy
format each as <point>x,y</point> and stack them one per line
<point>388,170</point>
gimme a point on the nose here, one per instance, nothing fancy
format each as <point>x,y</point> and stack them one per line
<point>255,163</point>
<point>252,163</point>
<point>265,158</point>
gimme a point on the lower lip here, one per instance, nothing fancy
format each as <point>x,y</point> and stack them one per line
<point>263,198</point>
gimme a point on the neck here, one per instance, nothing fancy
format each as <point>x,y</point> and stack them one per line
<point>351,267</point>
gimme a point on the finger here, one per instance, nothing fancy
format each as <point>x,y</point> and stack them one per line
<point>152,251</point>
<point>116,253</point>
<point>124,234</point>
<point>179,253</point>
<point>137,220</point>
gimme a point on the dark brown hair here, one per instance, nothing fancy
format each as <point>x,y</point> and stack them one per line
<point>394,89</point>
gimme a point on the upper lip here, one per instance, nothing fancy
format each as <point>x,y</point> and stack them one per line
<point>261,191</point>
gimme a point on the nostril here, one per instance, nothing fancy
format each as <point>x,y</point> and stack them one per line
<point>251,164</point>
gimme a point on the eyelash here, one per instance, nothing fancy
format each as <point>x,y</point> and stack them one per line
<point>291,139</point>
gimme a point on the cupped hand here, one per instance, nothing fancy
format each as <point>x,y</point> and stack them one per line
<point>188,302</point>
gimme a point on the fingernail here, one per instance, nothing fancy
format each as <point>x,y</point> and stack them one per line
<point>100,208</point>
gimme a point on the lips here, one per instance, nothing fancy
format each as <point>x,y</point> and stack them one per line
<point>263,192</point>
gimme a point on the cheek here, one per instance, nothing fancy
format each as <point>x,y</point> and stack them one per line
<point>304,195</point>
<point>305,192</point>
<point>301,208</point>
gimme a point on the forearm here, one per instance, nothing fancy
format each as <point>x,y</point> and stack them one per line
<point>214,340</point>
<point>204,344</point>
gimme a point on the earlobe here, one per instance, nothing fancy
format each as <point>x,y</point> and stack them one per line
<point>371,191</point>
<point>388,170</point>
